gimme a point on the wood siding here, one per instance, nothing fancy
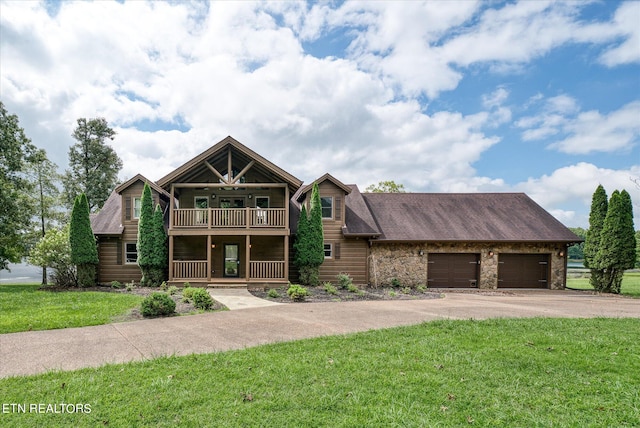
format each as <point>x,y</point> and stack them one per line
<point>112,265</point>
<point>348,255</point>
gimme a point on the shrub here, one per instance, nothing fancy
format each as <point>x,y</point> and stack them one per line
<point>330,288</point>
<point>297,293</point>
<point>421,288</point>
<point>352,288</point>
<point>116,284</point>
<point>344,280</point>
<point>164,286</point>
<point>201,299</point>
<point>406,290</point>
<point>172,290</point>
<point>273,293</point>
<point>187,293</point>
<point>157,304</point>
<point>395,282</point>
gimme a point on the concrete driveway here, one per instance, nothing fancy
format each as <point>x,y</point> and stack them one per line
<point>73,348</point>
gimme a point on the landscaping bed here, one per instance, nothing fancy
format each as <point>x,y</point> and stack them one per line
<point>320,294</point>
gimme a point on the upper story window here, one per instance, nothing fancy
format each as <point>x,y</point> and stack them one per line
<point>327,206</point>
<point>137,206</point>
<point>262,202</point>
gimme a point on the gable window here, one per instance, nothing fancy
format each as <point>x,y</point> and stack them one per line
<point>328,251</point>
<point>327,206</point>
<point>130,253</point>
<point>137,207</point>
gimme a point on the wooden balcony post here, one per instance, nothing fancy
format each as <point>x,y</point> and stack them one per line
<point>171,206</point>
<point>209,258</point>
<point>247,256</point>
<point>171,255</point>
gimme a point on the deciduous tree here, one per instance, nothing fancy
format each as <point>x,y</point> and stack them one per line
<point>93,165</point>
<point>15,209</point>
<point>388,186</point>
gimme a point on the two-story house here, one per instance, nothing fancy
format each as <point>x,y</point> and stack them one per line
<point>231,216</point>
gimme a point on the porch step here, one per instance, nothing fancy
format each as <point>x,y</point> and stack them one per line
<point>236,285</point>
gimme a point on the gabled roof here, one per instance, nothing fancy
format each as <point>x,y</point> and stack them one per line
<point>107,220</point>
<point>229,142</point>
<point>327,177</point>
<point>480,217</point>
<point>142,178</point>
<point>358,218</point>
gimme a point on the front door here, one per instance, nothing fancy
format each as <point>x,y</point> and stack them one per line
<point>231,261</point>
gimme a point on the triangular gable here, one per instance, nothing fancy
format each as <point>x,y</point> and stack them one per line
<point>327,177</point>
<point>224,146</point>
<point>142,178</point>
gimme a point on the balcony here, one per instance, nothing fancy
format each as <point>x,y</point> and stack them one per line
<point>213,218</point>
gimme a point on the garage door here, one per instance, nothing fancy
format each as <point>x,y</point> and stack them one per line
<point>453,270</point>
<point>523,270</point>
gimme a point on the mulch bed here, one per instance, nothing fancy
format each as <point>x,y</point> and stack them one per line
<point>319,294</point>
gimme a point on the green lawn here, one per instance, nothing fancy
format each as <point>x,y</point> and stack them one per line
<point>504,372</point>
<point>23,307</point>
<point>630,284</point>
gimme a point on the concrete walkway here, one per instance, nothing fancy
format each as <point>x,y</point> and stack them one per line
<point>238,298</point>
<point>74,348</point>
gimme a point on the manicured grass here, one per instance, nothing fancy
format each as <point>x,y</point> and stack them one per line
<point>630,284</point>
<point>23,307</point>
<point>504,372</point>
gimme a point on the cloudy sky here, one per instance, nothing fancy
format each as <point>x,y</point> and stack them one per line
<point>537,97</point>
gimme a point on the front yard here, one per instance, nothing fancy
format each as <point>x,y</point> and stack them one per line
<point>500,372</point>
<point>25,307</point>
<point>579,279</point>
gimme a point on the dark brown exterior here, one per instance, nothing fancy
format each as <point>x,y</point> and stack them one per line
<point>422,238</point>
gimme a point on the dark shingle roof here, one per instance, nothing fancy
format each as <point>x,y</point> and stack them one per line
<point>358,218</point>
<point>107,221</point>
<point>464,217</point>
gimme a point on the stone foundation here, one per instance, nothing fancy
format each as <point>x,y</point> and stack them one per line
<point>405,262</point>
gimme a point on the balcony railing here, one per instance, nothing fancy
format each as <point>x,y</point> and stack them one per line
<point>196,270</point>
<point>207,218</point>
<point>190,269</point>
<point>266,270</point>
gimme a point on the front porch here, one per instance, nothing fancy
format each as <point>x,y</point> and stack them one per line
<point>229,259</point>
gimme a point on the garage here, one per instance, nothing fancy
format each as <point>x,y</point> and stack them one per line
<point>523,270</point>
<point>453,270</point>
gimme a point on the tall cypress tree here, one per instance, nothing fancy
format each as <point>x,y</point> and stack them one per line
<point>599,207</point>
<point>84,252</point>
<point>300,246</point>
<point>617,243</point>
<point>316,231</point>
<point>145,232</point>
<point>159,251</point>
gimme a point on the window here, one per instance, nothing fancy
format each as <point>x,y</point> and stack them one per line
<point>137,206</point>
<point>131,252</point>
<point>262,202</point>
<point>327,206</point>
<point>201,203</point>
<point>328,251</point>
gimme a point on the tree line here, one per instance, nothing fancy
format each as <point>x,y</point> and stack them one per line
<point>35,198</point>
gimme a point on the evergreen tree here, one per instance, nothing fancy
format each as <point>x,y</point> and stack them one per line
<point>302,239</point>
<point>316,242</point>
<point>309,243</point>
<point>94,166</point>
<point>592,242</point>
<point>617,243</point>
<point>84,252</point>
<point>152,241</point>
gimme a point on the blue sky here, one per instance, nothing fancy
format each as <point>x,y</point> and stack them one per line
<point>536,97</point>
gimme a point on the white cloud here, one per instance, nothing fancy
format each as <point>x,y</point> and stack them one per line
<point>593,132</point>
<point>574,186</point>
<point>627,21</point>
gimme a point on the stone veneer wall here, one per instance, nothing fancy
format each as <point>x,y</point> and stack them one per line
<point>404,262</point>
